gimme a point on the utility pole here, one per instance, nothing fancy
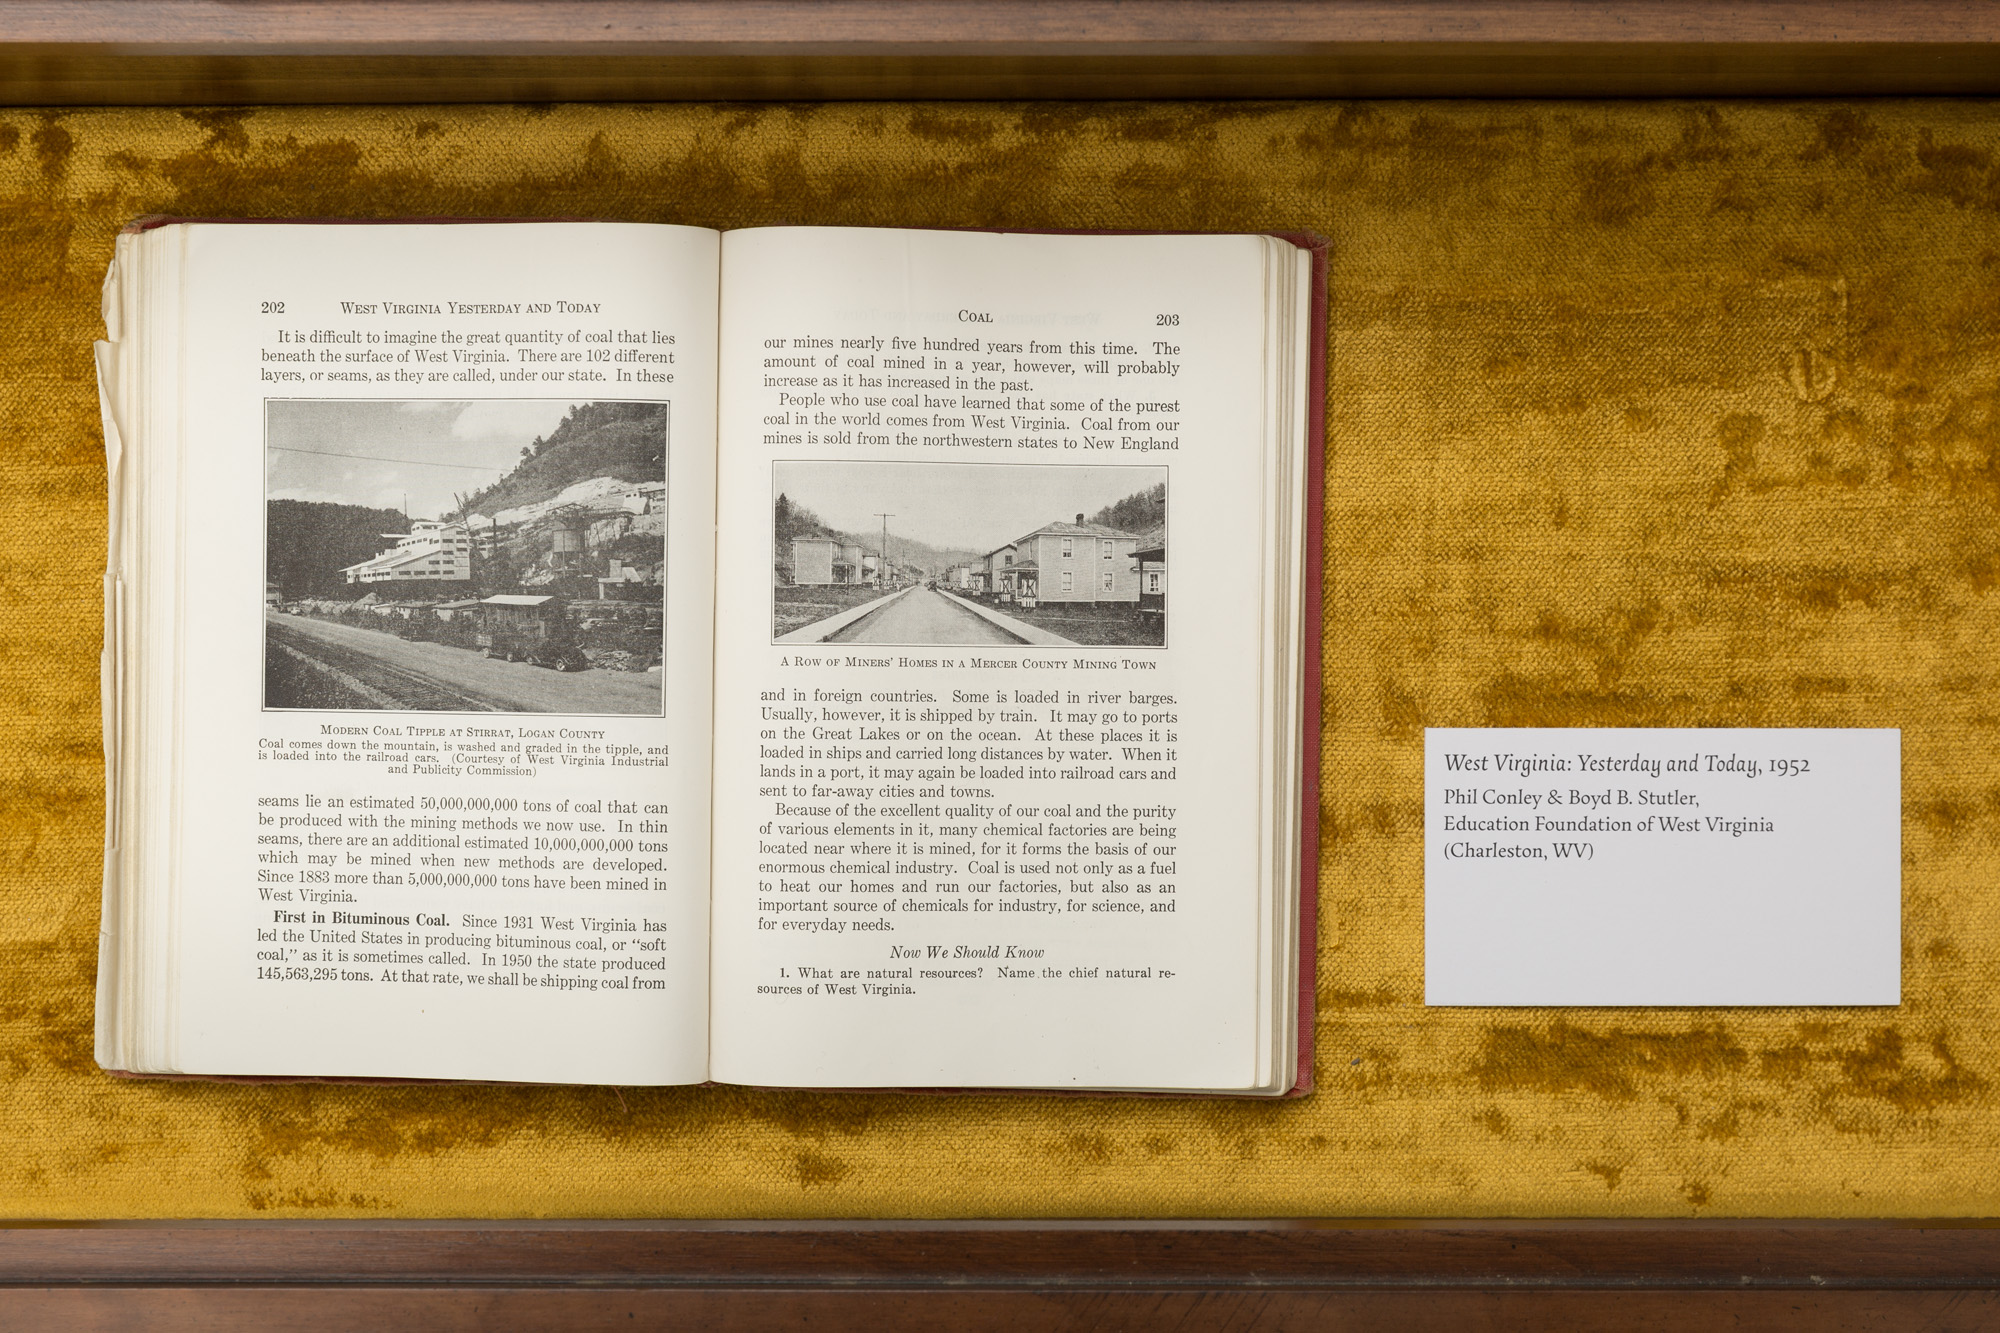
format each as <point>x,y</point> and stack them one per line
<point>883,573</point>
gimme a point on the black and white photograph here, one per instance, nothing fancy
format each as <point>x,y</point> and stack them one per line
<point>1042,554</point>
<point>452,556</point>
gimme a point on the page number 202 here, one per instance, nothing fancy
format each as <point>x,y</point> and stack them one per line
<point>273,308</point>
<point>1166,321</point>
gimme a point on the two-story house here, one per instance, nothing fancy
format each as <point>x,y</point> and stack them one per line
<point>1003,578</point>
<point>814,560</point>
<point>818,561</point>
<point>1078,562</point>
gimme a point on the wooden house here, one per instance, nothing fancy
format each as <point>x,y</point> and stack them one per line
<point>449,611</point>
<point>813,559</point>
<point>1002,575</point>
<point>819,561</point>
<point>1078,562</point>
<point>1150,564</point>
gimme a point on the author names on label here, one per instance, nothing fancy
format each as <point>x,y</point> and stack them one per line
<point>1555,799</point>
<point>1627,866</point>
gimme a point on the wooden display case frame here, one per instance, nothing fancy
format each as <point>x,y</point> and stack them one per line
<point>867,1276</point>
<point>205,52</point>
<point>979,1275</point>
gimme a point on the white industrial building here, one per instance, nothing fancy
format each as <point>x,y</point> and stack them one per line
<point>431,551</point>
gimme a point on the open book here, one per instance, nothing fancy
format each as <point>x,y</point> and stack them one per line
<point>611,653</point>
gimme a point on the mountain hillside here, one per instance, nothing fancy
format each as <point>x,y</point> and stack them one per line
<point>627,441</point>
<point>1141,511</point>
<point>792,520</point>
<point>308,543</point>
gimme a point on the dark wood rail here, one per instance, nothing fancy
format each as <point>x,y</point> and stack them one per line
<point>70,52</point>
<point>979,1275</point>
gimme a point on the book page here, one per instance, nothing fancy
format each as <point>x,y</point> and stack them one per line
<point>988,795</point>
<point>444,660</point>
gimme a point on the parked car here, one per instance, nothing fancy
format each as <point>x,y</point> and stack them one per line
<point>531,629</point>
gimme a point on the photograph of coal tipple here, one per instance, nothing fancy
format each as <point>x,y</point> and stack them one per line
<point>1053,555</point>
<point>493,556</point>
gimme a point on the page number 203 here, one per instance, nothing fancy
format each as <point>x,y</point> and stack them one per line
<point>274,308</point>
<point>1166,321</point>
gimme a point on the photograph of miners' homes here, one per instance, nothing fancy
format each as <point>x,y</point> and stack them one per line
<point>1053,555</point>
<point>452,556</point>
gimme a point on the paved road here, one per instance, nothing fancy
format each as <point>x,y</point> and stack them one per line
<point>922,616</point>
<point>324,664</point>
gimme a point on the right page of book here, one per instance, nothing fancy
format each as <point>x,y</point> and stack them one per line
<point>989,789</point>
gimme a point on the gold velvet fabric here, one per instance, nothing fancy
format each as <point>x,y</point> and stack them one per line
<point>1639,414</point>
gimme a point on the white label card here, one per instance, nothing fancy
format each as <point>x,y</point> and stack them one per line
<point>1639,866</point>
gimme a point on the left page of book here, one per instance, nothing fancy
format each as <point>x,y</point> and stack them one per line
<point>410,668</point>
